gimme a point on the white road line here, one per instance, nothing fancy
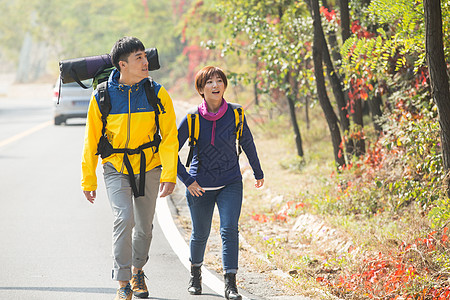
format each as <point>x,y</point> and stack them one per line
<point>24,133</point>
<point>180,247</point>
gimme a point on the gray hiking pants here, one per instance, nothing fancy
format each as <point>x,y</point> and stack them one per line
<point>133,219</point>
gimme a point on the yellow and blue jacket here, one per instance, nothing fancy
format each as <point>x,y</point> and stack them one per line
<point>130,123</point>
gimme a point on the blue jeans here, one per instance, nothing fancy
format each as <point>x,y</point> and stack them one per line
<point>229,202</point>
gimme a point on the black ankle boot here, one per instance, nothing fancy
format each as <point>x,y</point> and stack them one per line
<point>231,291</point>
<point>195,283</point>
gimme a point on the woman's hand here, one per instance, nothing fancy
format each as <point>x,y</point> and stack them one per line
<point>195,189</point>
<point>259,183</point>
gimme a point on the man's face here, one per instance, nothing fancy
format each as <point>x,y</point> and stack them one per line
<point>136,68</point>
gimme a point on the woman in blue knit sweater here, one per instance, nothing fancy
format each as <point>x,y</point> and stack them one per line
<point>214,177</point>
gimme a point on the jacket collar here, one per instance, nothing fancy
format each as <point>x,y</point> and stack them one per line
<point>113,82</point>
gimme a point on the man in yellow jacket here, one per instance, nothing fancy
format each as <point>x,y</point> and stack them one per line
<point>132,132</point>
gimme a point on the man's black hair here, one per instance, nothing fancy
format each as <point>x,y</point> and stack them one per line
<point>123,48</point>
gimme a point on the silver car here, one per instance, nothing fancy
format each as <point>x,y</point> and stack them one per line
<point>73,100</point>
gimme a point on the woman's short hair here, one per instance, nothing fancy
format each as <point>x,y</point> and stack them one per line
<point>206,73</point>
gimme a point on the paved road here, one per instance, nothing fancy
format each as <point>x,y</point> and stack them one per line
<point>53,243</point>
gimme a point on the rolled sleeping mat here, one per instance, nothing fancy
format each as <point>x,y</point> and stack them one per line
<point>79,69</point>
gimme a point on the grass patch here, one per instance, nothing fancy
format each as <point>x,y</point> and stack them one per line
<point>361,233</point>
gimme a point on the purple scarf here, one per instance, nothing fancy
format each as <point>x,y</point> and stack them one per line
<point>203,110</point>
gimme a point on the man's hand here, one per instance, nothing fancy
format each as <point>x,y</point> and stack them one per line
<point>90,195</point>
<point>166,188</point>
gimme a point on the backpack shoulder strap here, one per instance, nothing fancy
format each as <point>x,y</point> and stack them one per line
<point>155,102</point>
<point>239,119</point>
<point>152,98</point>
<point>104,102</point>
<point>193,122</point>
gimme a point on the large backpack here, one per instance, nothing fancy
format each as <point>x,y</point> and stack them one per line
<point>96,67</point>
<point>79,69</point>
<point>104,147</point>
<point>193,122</point>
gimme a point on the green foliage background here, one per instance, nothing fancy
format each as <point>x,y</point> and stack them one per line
<point>78,28</point>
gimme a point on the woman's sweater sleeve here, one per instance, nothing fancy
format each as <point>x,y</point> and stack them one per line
<point>249,148</point>
<point>182,173</point>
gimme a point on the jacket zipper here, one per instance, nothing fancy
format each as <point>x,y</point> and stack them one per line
<point>128,125</point>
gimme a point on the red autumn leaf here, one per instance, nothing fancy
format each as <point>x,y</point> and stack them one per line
<point>364,95</point>
<point>260,218</point>
<point>299,205</point>
<point>424,80</point>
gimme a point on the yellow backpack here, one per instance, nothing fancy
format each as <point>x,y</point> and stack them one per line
<point>194,128</point>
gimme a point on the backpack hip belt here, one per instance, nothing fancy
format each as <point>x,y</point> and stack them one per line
<point>126,152</point>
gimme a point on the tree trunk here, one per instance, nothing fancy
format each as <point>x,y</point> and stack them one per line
<point>291,80</point>
<point>357,117</point>
<point>360,147</point>
<point>308,125</point>
<point>345,19</point>
<point>255,92</point>
<point>297,135</point>
<point>366,3</point>
<point>255,84</point>
<point>325,103</point>
<point>291,101</point>
<point>375,104</point>
<point>338,93</point>
<point>307,98</point>
<point>332,39</point>
<point>438,75</point>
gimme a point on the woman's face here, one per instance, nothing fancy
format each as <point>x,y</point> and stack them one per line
<point>214,89</point>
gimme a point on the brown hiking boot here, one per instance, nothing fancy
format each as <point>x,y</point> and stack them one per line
<point>138,285</point>
<point>124,293</point>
